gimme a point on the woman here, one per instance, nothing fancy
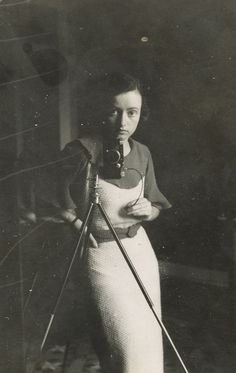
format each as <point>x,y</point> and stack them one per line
<point>126,336</point>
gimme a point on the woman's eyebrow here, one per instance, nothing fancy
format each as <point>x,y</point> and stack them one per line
<point>133,107</point>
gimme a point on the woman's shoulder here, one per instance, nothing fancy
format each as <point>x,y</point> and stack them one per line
<point>139,149</point>
<point>73,154</point>
<point>73,147</point>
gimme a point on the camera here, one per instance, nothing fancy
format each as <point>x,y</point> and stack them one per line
<point>113,159</point>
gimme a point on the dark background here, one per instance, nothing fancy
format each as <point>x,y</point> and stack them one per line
<point>184,52</point>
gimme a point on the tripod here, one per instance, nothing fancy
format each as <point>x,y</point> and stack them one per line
<point>81,245</point>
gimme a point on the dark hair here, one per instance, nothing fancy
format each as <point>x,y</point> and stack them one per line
<point>101,91</point>
<point>117,83</point>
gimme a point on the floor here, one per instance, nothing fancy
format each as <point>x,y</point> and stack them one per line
<point>197,318</point>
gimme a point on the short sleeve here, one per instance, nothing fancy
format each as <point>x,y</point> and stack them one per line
<point>151,190</point>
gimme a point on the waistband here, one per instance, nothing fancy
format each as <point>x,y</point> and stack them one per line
<point>105,235</point>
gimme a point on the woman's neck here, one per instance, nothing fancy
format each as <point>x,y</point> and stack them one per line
<point>126,147</point>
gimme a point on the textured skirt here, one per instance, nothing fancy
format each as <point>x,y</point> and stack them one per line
<point>125,333</point>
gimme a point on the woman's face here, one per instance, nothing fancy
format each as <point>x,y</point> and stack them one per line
<point>122,120</point>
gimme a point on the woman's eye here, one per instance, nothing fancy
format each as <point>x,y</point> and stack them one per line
<point>132,113</point>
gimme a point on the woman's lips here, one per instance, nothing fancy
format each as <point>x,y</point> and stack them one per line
<point>122,132</point>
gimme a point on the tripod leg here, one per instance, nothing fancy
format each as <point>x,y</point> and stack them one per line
<point>85,233</point>
<point>140,284</point>
<point>78,246</point>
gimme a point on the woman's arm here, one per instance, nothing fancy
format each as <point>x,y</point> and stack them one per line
<point>68,215</point>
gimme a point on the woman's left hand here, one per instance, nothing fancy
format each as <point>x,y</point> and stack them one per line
<point>142,209</point>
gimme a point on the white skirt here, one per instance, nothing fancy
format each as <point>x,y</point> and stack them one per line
<point>126,335</point>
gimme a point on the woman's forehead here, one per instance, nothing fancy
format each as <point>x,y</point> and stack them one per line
<point>128,99</point>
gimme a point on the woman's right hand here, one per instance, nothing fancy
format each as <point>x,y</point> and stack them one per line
<point>68,215</point>
<point>91,242</point>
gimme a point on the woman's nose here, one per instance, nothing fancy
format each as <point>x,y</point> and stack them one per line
<point>123,120</point>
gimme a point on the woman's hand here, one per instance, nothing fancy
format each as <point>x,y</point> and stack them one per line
<point>29,216</point>
<point>143,209</point>
<point>69,216</point>
<point>91,242</point>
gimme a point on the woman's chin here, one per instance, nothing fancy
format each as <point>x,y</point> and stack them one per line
<point>122,137</point>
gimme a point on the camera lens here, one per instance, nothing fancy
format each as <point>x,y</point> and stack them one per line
<point>113,156</point>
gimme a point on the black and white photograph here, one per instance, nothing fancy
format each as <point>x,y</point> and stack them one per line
<point>117,186</point>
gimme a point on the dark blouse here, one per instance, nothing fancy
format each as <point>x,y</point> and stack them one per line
<point>73,173</point>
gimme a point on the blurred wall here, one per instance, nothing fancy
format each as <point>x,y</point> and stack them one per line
<point>184,51</point>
